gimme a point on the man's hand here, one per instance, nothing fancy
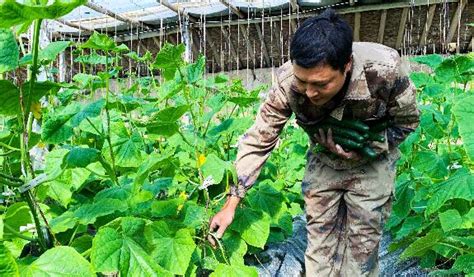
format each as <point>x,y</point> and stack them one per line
<point>328,142</point>
<point>222,220</point>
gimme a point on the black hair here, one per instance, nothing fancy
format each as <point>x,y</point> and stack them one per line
<point>323,39</point>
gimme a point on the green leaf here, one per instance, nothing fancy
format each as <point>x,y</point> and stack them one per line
<point>196,70</point>
<point>410,225</point>
<point>432,164</point>
<point>9,51</point>
<point>8,266</point>
<point>47,54</point>
<point>465,263</point>
<point>267,199</point>
<point>60,261</point>
<point>81,157</point>
<point>171,114</point>
<point>10,98</point>
<point>103,42</point>
<point>82,243</point>
<point>422,245</point>
<point>224,270</point>
<point>166,208</point>
<point>450,220</point>
<point>13,13</point>
<point>127,147</point>
<point>56,130</point>
<point>172,251</point>
<point>249,223</point>
<point>116,252</point>
<point>17,215</point>
<point>195,216</point>
<point>88,213</point>
<point>94,59</point>
<point>457,186</point>
<point>465,116</point>
<point>61,189</point>
<point>421,79</point>
<point>214,167</point>
<point>88,81</point>
<point>169,59</point>
<point>432,60</point>
<point>63,222</point>
<point>454,69</point>
<point>154,162</point>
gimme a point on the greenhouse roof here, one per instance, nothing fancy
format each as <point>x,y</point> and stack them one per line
<point>120,15</point>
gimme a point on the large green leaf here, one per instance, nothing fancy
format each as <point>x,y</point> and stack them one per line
<point>465,116</point>
<point>458,186</point>
<point>153,162</point>
<point>172,251</point>
<point>422,245</point>
<point>127,146</point>
<point>99,41</point>
<point>465,263</point>
<point>47,54</point>
<point>166,208</point>
<point>88,213</point>
<point>169,59</point>
<point>17,215</point>
<point>59,261</point>
<point>224,270</point>
<point>196,70</point>
<point>254,226</point>
<point>432,164</point>
<point>13,13</point>
<point>9,51</point>
<point>81,157</point>
<point>450,220</point>
<point>61,189</point>
<point>59,127</point>
<point>214,167</point>
<point>10,98</point>
<point>266,198</point>
<point>431,60</point>
<point>116,252</point>
<point>8,266</point>
<point>456,69</point>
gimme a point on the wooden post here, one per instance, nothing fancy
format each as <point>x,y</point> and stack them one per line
<point>383,19</point>
<point>426,29</point>
<point>401,28</point>
<point>453,28</point>
<point>357,26</point>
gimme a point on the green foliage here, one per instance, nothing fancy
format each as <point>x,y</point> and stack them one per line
<point>131,180</point>
<point>432,212</point>
<point>9,51</point>
<point>13,13</point>
<point>59,261</point>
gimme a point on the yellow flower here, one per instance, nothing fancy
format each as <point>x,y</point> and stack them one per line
<point>36,110</point>
<point>201,160</point>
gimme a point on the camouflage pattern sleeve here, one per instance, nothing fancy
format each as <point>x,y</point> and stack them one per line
<point>257,143</point>
<point>402,110</point>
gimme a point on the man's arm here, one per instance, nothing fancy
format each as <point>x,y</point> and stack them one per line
<point>254,148</point>
<point>257,143</point>
<point>402,109</point>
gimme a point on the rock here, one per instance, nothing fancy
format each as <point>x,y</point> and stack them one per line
<point>287,258</point>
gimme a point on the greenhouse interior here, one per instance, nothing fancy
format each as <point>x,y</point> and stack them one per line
<point>236,138</point>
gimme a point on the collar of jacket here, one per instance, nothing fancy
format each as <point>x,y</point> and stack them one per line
<point>357,90</point>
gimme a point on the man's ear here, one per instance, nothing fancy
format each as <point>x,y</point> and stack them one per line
<point>348,66</point>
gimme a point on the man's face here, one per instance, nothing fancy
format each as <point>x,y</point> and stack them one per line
<point>320,83</point>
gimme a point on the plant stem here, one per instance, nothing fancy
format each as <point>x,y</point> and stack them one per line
<point>107,89</point>
<point>31,203</point>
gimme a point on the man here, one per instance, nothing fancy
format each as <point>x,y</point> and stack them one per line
<point>347,196</point>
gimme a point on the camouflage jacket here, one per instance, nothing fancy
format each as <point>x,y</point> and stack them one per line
<point>378,88</point>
